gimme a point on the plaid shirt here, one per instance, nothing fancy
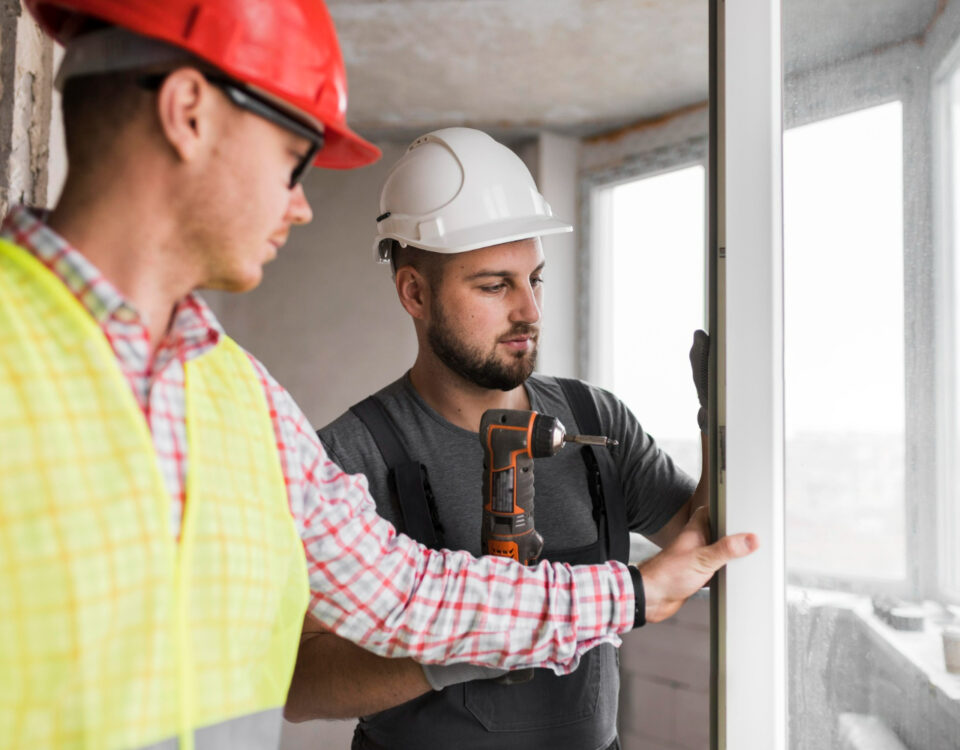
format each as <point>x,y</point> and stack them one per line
<point>368,583</point>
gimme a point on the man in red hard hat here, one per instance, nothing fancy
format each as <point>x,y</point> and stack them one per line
<point>167,513</point>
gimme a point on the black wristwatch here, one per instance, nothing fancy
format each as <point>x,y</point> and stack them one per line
<point>639,598</point>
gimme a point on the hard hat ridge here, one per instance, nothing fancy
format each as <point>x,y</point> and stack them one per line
<point>457,189</point>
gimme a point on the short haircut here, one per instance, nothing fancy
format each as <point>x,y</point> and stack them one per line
<point>429,264</point>
<point>96,108</point>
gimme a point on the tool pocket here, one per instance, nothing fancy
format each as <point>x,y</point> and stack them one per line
<point>545,701</point>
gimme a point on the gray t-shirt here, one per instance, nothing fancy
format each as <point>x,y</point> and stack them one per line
<point>653,487</point>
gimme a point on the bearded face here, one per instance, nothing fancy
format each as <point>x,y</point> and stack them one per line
<point>502,363</point>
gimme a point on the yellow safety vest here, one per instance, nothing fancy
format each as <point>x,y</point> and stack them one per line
<point>112,633</point>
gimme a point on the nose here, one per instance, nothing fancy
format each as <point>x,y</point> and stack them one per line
<point>527,305</point>
<point>298,209</point>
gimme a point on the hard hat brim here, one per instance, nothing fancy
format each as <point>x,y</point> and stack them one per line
<point>344,149</point>
<point>488,235</point>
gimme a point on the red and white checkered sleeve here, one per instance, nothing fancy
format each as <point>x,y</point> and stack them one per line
<point>395,597</point>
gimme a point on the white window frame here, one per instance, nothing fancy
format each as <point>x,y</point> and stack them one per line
<point>747,328</point>
<point>945,242</point>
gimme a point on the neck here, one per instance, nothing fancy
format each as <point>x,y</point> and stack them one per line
<point>131,237</point>
<point>458,400</point>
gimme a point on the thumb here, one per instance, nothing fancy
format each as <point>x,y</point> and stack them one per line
<point>728,548</point>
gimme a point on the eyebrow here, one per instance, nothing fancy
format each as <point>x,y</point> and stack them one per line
<point>501,274</point>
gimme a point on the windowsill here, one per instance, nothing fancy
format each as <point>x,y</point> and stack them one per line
<point>921,652</point>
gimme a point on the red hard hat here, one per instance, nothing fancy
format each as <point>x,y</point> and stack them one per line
<point>287,48</point>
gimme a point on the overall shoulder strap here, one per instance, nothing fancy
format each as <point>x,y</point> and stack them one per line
<point>584,410</point>
<point>406,475</point>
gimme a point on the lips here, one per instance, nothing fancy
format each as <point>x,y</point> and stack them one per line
<point>519,343</point>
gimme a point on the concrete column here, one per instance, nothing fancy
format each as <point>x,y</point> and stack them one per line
<point>557,165</point>
<point>26,87</point>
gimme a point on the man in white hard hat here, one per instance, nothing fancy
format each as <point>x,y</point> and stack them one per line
<point>461,221</point>
<point>169,517</point>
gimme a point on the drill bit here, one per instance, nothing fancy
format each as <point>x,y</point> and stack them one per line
<point>602,440</point>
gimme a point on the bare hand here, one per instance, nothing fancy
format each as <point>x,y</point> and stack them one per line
<point>687,564</point>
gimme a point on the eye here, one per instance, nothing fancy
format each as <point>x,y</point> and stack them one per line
<point>494,288</point>
<point>536,281</point>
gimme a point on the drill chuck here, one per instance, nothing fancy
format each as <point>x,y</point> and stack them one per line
<point>547,436</point>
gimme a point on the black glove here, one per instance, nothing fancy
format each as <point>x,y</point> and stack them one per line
<point>699,357</point>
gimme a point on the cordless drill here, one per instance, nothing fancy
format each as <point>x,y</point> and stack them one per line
<point>511,439</point>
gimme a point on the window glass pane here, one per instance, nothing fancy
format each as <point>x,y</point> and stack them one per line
<point>656,268</point>
<point>865,336</point>
<point>843,334</point>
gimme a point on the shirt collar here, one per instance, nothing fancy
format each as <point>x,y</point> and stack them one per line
<point>193,326</point>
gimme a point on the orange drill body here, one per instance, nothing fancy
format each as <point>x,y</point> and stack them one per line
<point>508,525</point>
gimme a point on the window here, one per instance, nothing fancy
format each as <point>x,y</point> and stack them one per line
<point>843,346</point>
<point>648,257</point>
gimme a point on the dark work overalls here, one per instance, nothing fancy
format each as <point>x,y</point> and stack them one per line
<point>572,712</point>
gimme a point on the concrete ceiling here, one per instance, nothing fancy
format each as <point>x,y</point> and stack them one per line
<point>579,67</point>
<point>823,31</point>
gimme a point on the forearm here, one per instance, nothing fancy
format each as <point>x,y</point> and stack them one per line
<point>396,598</point>
<point>489,612</point>
<point>701,495</point>
<point>699,498</point>
<point>336,679</point>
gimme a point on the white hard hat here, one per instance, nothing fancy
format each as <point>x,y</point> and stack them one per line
<point>456,190</point>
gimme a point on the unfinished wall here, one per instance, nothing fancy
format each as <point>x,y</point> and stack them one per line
<point>26,85</point>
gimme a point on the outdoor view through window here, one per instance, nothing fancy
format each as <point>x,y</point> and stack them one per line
<point>843,340</point>
<point>657,301</point>
<point>870,377</point>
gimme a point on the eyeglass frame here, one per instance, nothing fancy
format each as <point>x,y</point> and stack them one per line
<point>260,106</point>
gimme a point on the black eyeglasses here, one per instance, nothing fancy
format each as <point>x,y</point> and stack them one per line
<point>262,107</point>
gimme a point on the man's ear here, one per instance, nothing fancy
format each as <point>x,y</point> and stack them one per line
<point>186,110</point>
<point>413,291</point>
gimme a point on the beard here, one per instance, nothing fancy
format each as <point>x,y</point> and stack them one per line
<point>471,364</point>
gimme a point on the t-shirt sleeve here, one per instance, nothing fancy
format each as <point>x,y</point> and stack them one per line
<point>654,487</point>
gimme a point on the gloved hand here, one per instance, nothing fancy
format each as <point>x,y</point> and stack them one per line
<point>443,675</point>
<point>699,357</point>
